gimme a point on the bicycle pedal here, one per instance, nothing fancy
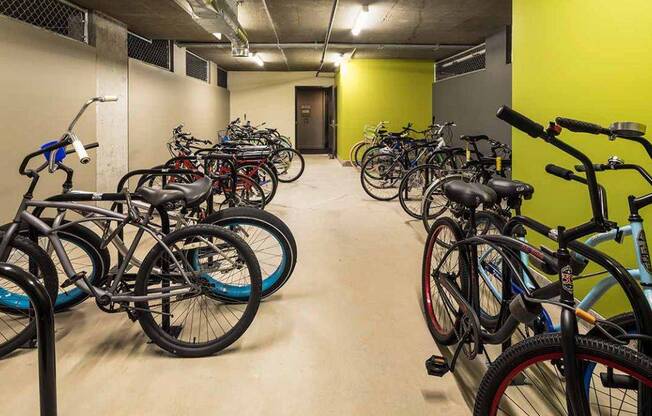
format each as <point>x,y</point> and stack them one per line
<point>437,366</point>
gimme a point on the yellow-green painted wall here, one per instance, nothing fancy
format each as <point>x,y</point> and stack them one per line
<point>588,60</point>
<point>370,91</point>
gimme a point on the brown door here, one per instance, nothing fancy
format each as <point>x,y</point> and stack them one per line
<point>311,119</point>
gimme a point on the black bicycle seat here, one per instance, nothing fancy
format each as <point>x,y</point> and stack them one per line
<point>471,195</point>
<point>193,193</point>
<point>158,197</point>
<point>506,188</point>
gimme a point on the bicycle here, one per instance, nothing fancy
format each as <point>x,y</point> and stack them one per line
<point>175,281</point>
<point>559,351</point>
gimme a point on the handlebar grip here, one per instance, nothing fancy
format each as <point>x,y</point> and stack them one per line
<point>560,172</point>
<point>581,126</point>
<point>80,150</point>
<point>109,98</point>
<point>598,167</point>
<point>521,122</point>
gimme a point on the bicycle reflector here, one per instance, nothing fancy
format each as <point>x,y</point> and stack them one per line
<point>59,156</point>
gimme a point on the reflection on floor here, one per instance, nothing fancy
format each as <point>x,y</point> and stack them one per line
<point>345,336</point>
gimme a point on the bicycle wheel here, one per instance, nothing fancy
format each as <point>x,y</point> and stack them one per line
<point>412,187</point>
<point>201,322</point>
<point>245,193</point>
<point>269,238</point>
<point>435,203</point>
<point>528,378</point>
<point>17,326</point>
<point>289,164</point>
<point>381,176</point>
<point>490,268</point>
<point>442,322</point>
<point>369,151</point>
<point>263,176</point>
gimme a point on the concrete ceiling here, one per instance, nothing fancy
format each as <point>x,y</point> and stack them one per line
<point>431,22</point>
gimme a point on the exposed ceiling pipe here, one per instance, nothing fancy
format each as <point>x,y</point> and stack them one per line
<point>220,16</point>
<point>278,41</point>
<point>328,36</point>
<point>319,45</point>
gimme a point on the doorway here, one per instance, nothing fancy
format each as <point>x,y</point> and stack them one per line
<point>313,119</point>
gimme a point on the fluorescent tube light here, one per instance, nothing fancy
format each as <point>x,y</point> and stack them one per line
<point>360,21</point>
<point>259,61</point>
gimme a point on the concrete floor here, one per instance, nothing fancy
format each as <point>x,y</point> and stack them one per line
<point>345,336</point>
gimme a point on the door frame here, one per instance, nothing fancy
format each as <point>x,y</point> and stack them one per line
<point>325,95</point>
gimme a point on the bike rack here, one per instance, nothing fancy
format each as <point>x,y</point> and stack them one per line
<point>42,304</point>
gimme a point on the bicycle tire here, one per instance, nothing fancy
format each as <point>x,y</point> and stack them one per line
<point>232,217</point>
<point>385,178</point>
<point>545,347</point>
<point>16,304</point>
<point>406,185</point>
<point>435,323</point>
<point>268,182</point>
<point>170,341</point>
<point>298,157</point>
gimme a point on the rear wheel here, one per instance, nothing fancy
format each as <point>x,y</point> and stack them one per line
<point>435,203</point>
<point>201,322</point>
<point>528,378</point>
<point>381,176</point>
<point>413,186</point>
<point>289,164</point>
<point>263,176</point>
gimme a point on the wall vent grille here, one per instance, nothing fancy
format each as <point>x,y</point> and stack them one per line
<point>196,67</point>
<point>155,52</point>
<point>55,15</point>
<point>470,60</point>
<point>222,78</point>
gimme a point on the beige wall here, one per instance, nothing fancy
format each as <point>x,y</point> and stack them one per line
<point>160,100</point>
<point>269,96</point>
<point>44,80</point>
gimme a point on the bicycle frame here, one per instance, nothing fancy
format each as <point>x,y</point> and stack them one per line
<point>92,213</point>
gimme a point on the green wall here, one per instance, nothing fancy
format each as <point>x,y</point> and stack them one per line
<point>370,91</point>
<point>588,60</point>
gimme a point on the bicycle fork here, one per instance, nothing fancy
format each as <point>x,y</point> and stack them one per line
<point>576,399</point>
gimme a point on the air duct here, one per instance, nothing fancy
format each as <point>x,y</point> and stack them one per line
<point>221,16</point>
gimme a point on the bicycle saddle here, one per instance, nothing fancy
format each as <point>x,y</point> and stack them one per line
<point>471,195</point>
<point>158,197</point>
<point>193,193</point>
<point>506,188</point>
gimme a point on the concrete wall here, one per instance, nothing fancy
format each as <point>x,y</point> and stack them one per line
<point>471,100</point>
<point>44,80</point>
<point>159,100</point>
<point>269,96</point>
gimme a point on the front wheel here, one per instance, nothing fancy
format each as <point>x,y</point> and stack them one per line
<point>443,322</point>
<point>199,322</point>
<point>528,378</point>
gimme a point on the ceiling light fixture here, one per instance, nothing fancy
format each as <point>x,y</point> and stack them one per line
<point>218,35</point>
<point>339,58</point>
<point>360,21</point>
<point>259,61</point>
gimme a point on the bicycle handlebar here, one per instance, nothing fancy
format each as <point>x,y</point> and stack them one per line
<point>518,120</point>
<point>578,126</point>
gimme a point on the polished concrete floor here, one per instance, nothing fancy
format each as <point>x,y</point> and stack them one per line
<point>345,336</point>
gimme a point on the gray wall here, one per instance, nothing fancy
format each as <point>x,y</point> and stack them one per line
<point>471,100</point>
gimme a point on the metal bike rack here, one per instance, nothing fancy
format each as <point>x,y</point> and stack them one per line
<point>45,334</point>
